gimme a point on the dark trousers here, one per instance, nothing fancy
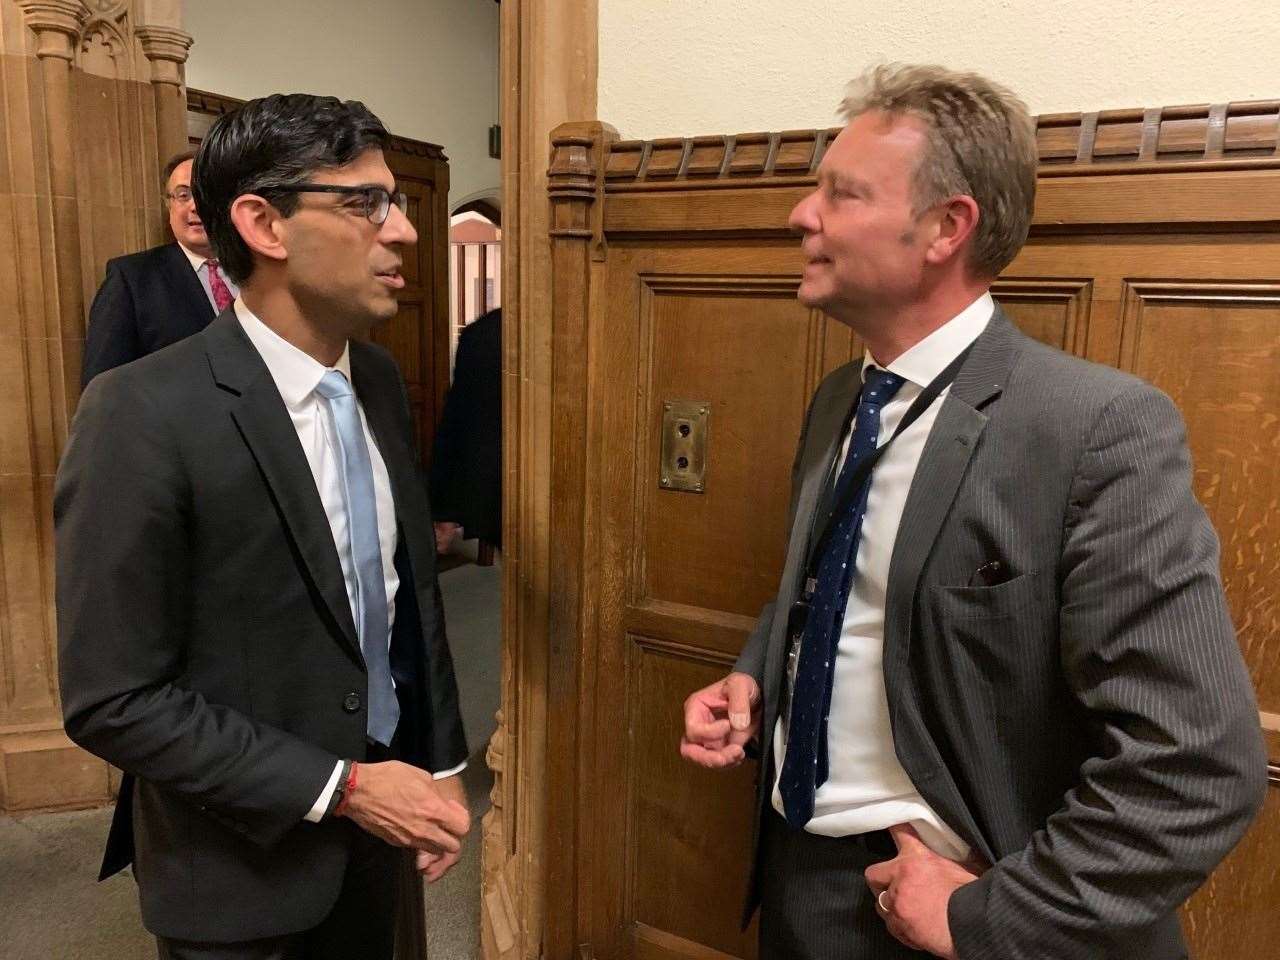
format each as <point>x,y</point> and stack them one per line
<point>361,924</point>
<point>814,901</point>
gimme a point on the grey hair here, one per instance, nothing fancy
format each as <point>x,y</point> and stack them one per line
<point>981,142</point>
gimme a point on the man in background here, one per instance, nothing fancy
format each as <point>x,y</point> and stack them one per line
<point>151,299</point>
<point>999,700</point>
<point>466,459</point>
<point>249,622</point>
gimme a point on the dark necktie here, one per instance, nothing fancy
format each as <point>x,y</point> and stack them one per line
<point>222,297</point>
<point>804,767</point>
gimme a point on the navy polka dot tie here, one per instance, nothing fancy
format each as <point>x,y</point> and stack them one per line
<point>804,767</point>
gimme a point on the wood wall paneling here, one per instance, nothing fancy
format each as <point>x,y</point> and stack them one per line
<point>1052,310</point>
<point>1214,347</point>
<point>1155,247</point>
<point>692,332</point>
<point>688,830</point>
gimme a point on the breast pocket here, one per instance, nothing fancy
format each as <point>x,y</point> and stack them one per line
<point>1004,599</point>
<point>1001,636</point>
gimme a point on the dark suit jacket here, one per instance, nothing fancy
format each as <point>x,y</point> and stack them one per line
<point>206,641</point>
<point>147,300</point>
<point>466,461</point>
<point>1088,725</point>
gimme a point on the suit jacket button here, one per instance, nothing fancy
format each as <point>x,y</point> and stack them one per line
<point>351,703</point>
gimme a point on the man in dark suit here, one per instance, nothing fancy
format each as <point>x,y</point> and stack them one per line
<point>151,299</point>
<point>466,459</point>
<point>249,620</point>
<point>999,701</point>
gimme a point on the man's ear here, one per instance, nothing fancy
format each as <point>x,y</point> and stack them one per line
<point>259,225</point>
<point>958,219</point>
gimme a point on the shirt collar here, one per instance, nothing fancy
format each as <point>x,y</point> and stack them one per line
<point>195,259</point>
<point>930,356</point>
<point>296,373</point>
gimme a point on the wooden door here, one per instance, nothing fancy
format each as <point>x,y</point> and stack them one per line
<point>684,574</point>
<point>675,282</point>
<point>418,336</point>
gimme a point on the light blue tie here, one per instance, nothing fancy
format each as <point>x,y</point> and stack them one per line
<point>366,555</point>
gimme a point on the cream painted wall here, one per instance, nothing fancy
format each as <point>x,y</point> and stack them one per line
<point>678,68</point>
<point>427,68</point>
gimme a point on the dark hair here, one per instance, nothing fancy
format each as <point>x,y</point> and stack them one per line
<point>174,162</point>
<point>277,141</point>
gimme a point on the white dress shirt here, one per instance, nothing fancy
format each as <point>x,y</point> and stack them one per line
<point>296,375</point>
<point>201,266</point>
<point>866,788</point>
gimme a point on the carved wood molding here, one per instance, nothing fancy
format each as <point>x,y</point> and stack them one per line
<point>216,104</point>
<point>1231,136</point>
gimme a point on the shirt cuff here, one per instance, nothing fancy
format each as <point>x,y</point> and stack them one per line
<point>449,773</point>
<point>316,813</point>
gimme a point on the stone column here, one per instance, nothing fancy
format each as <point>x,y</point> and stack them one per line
<point>80,186</point>
<point>166,48</point>
<point>43,306</point>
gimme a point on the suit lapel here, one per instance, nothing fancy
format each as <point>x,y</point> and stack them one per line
<point>942,466</point>
<point>379,399</point>
<point>943,463</point>
<point>822,440</point>
<point>269,433</point>
<point>189,288</point>
<point>828,427</point>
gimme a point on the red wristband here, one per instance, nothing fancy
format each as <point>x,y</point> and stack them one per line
<point>347,791</point>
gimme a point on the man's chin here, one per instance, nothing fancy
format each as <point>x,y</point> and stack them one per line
<point>810,297</point>
<point>383,310</point>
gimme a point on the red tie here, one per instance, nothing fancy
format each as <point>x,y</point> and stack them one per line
<point>222,297</point>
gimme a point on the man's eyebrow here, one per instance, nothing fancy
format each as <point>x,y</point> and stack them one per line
<point>844,181</point>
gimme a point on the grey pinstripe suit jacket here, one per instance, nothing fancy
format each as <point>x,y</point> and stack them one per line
<point>1088,726</point>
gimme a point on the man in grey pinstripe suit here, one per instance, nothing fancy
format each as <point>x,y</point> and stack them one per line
<point>1024,729</point>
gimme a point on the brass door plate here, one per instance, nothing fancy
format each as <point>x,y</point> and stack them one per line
<point>683,464</point>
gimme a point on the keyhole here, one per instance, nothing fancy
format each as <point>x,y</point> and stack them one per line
<point>683,429</point>
<point>682,463</point>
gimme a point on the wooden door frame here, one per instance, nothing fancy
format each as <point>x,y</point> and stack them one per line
<point>548,64</point>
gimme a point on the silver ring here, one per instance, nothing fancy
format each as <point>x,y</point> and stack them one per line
<point>880,901</point>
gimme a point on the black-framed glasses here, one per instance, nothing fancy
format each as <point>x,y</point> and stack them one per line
<point>377,200</point>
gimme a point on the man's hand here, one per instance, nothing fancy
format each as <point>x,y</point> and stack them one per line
<point>407,808</point>
<point>446,533</point>
<point>434,864</point>
<point>719,720</point>
<point>917,884</point>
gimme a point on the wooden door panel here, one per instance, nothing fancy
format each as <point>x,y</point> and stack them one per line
<point>720,550</point>
<point>683,575</point>
<point>690,827</point>
<point>1214,347</point>
<point>1052,310</point>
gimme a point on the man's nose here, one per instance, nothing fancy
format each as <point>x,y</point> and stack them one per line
<point>397,228</point>
<point>804,217</point>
